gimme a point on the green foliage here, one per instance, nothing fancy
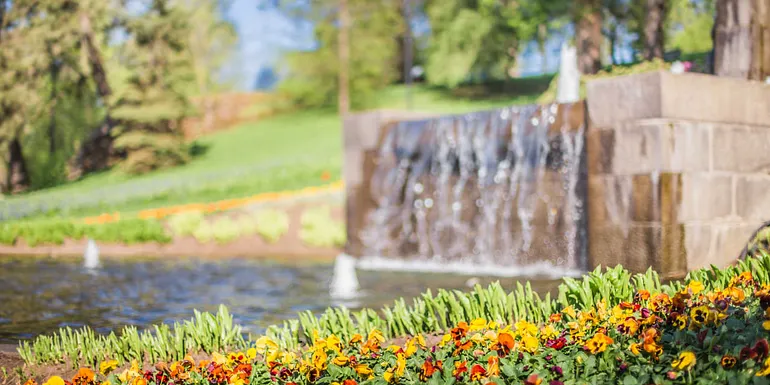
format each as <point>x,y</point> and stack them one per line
<point>271,224</point>
<point>146,152</point>
<point>185,223</point>
<point>204,233</point>
<point>320,229</point>
<point>690,24</point>
<point>204,332</point>
<point>57,230</point>
<point>373,51</point>
<point>225,230</point>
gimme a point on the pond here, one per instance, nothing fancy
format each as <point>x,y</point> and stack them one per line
<point>40,295</point>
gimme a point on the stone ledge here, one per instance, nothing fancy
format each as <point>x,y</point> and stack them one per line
<point>661,94</point>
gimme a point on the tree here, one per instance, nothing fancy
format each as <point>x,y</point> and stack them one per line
<point>314,76</point>
<point>742,39</point>
<point>589,38</point>
<point>689,25</point>
<point>470,38</point>
<point>149,110</point>
<point>654,27</point>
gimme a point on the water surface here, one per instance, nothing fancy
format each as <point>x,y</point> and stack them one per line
<point>39,295</point>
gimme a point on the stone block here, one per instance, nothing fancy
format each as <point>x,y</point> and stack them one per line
<point>706,196</point>
<point>741,148</point>
<point>690,96</point>
<point>600,150</point>
<point>624,199</point>
<point>638,248</point>
<point>753,197</point>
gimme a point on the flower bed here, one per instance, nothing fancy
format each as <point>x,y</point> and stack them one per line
<point>710,331</point>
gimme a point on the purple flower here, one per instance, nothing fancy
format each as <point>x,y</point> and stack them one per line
<point>623,367</point>
<point>548,357</point>
<point>555,382</point>
<point>557,370</point>
<point>645,312</point>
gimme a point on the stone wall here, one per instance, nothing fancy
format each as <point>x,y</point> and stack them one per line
<point>679,170</point>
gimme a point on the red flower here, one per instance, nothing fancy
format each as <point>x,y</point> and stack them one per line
<point>557,343</point>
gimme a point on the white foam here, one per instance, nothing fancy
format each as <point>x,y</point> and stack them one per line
<point>344,283</point>
<point>539,269</point>
<point>91,255</point>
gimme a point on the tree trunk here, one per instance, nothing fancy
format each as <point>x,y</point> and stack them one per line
<point>654,28</point>
<point>613,37</point>
<point>95,152</point>
<point>54,73</point>
<point>344,59</point>
<point>589,39</point>
<point>742,39</point>
<point>542,39</point>
<point>16,177</point>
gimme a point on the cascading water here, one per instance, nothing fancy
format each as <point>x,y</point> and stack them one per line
<point>496,192</point>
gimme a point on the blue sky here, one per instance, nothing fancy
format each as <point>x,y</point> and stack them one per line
<point>264,34</point>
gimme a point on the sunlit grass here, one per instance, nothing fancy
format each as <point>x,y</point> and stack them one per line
<point>283,151</point>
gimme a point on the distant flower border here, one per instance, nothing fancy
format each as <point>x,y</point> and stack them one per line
<point>218,206</point>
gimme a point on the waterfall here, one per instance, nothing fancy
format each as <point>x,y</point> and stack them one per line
<point>493,192</point>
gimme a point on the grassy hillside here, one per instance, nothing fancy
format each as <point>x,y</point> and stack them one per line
<point>284,152</point>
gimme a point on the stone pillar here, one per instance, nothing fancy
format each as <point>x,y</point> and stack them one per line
<point>678,170</point>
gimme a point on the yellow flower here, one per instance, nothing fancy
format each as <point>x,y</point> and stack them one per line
<point>526,328</point>
<point>492,325</point>
<point>477,324</point>
<point>264,343</point>
<point>364,370</point>
<point>236,380</point>
<point>108,366</point>
<point>635,348</point>
<point>420,341</point>
<point>376,335</point>
<point>446,338</point>
<point>251,353</point>
<point>766,324</point>
<point>340,360</point>
<point>319,359</point>
<point>598,343</point>
<point>570,311</point>
<point>218,358</point>
<point>55,380</point>
<point>695,286</point>
<point>333,343</point>
<point>548,332</point>
<point>106,382</point>
<point>477,338</point>
<point>529,343</point>
<point>685,361</point>
<point>699,315</point>
<point>765,369</point>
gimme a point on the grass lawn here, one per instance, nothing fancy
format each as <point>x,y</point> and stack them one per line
<point>288,151</point>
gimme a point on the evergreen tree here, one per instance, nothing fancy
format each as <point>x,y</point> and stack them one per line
<point>150,108</point>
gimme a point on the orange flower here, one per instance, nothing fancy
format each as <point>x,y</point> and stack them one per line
<point>556,317</point>
<point>460,331</point>
<point>460,368</point>
<point>478,373</point>
<point>84,376</point>
<point>660,303</point>
<point>728,361</point>
<point>504,345</point>
<point>349,382</point>
<point>533,379</point>
<point>325,176</point>
<point>493,366</point>
<point>428,368</point>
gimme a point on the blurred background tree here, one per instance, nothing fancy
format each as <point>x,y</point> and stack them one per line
<point>91,84</point>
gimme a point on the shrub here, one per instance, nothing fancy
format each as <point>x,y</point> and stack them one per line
<point>55,230</point>
<point>271,224</point>
<point>320,229</point>
<point>204,233</point>
<point>225,230</point>
<point>185,223</point>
